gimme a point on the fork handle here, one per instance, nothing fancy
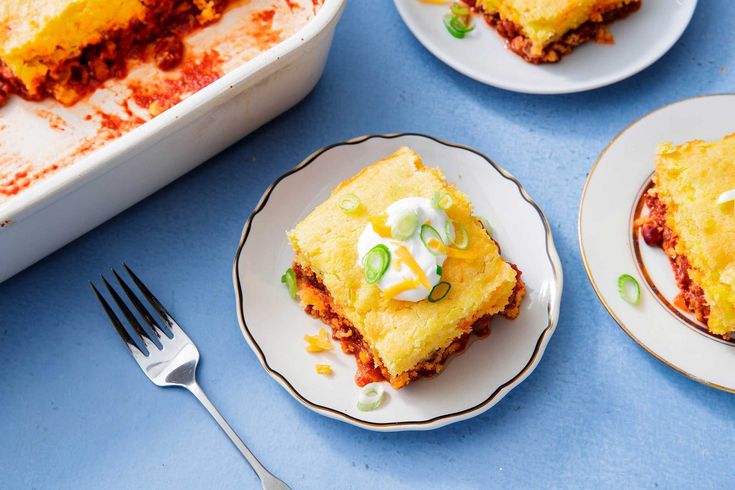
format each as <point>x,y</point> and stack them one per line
<point>267,479</point>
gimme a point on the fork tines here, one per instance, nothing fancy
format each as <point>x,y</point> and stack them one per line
<point>142,334</point>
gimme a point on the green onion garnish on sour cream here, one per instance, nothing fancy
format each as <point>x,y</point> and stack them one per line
<point>405,226</point>
<point>432,240</point>
<point>376,262</point>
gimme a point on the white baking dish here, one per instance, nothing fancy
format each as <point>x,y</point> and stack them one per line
<point>83,195</point>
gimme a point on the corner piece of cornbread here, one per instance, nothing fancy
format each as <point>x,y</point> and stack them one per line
<point>688,181</point>
<point>37,35</point>
<point>400,339</point>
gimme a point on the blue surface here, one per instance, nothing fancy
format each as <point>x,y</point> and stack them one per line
<point>75,411</point>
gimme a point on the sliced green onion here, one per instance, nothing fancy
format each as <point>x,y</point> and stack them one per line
<point>460,26</point>
<point>376,262</point>
<point>726,196</point>
<point>349,203</point>
<point>448,25</point>
<point>439,270</point>
<point>439,291</point>
<point>405,226</point>
<point>428,233</point>
<point>459,10</point>
<point>456,235</point>
<point>289,279</point>
<point>626,283</point>
<point>370,397</point>
<point>486,224</point>
<point>442,200</point>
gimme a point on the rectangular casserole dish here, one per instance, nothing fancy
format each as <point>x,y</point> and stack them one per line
<point>105,181</point>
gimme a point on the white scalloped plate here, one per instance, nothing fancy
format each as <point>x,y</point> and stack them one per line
<point>640,40</point>
<point>609,205</point>
<point>274,326</point>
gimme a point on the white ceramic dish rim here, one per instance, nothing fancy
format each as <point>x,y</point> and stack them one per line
<point>432,46</point>
<point>67,179</point>
<point>437,421</point>
<point>587,269</point>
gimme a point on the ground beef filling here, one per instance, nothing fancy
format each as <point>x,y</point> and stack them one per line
<point>594,29</point>
<point>157,37</point>
<point>369,367</point>
<point>656,233</point>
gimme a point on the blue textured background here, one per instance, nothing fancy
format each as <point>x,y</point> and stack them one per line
<point>75,412</point>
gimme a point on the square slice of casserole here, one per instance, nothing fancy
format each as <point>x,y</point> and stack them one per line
<point>391,339</point>
<point>697,233</point>
<point>65,48</point>
<point>542,31</point>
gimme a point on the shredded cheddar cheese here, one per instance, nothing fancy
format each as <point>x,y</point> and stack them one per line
<point>379,225</point>
<point>394,291</point>
<point>459,254</point>
<point>318,343</point>
<point>324,369</point>
<point>406,257</point>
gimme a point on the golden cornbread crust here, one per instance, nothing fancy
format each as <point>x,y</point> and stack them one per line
<point>318,303</point>
<point>34,66</point>
<point>698,235</point>
<point>399,337</point>
<point>593,29</point>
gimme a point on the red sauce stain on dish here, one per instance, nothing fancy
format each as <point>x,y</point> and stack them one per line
<point>86,146</point>
<point>113,126</point>
<point>55,121</point>
<point>262,30</point>
<point>14,182</point>
<point>157,97</point>
<point>194,75</point>
<point>292,5</point>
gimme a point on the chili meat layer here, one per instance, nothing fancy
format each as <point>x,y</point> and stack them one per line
<point>370,369</point>
<point>656,233</point>
<point>594,29</point>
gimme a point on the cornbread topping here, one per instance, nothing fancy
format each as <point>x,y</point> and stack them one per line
<point>402,272</point>
<point>396,340</point>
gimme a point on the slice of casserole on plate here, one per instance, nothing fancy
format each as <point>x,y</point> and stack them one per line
<point>692,218</point>
<point>542,31</point>
<point>397,265</point>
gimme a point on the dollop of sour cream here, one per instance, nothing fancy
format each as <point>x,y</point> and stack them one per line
<point>399,272</point>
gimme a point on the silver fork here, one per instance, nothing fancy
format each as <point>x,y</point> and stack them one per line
<point>175,362</point>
